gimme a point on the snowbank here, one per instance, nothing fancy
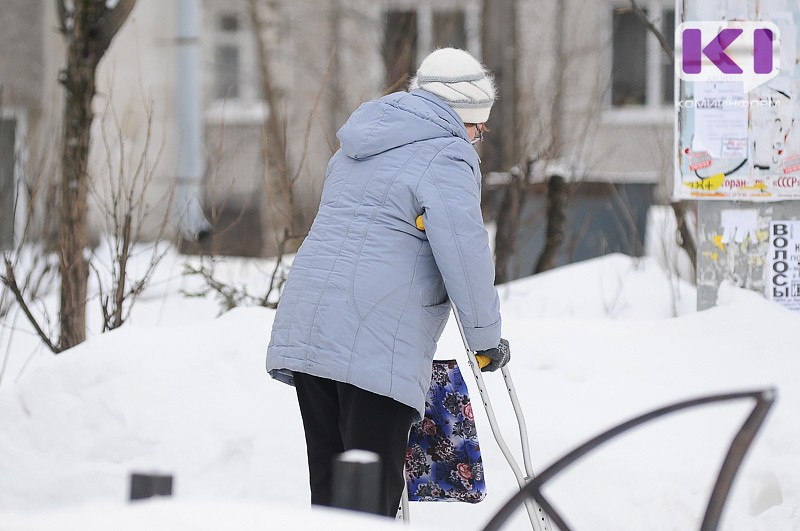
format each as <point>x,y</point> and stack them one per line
<point>593,345</point>
<point>164,515</point>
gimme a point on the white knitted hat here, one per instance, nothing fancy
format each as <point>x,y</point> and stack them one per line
<point>460,80</point>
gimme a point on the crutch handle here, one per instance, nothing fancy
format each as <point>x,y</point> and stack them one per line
<point>483,361</point>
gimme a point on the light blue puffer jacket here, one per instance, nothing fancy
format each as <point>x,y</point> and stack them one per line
<point>367,295</point>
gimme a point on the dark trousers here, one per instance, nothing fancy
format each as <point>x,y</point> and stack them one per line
<point>338,417</point>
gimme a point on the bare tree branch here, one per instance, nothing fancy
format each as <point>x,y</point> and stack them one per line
<point>401,82</point>
<point>124,256</point>
<point>125,211</point>
<point>276,166</point>
<point>662,40</point>
<point>111,21</point>
<point>286,220</point>
<point>277,155</point>
<point>10,281</point>
<point>63,16</point>
<point>311,113</point>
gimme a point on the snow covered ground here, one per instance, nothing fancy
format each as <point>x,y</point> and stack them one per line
<point>179,390</point>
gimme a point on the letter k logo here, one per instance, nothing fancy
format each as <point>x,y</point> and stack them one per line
<point>715,51</point>
<point>746,52</point>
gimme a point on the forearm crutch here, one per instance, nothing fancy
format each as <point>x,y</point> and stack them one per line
<point>539,519</point>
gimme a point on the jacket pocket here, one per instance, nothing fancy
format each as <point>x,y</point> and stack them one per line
<point>434,296</point>
<point>430,283</point>
<point>434,319</point>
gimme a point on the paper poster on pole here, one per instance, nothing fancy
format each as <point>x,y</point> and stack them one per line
<point>737,100</point>
<point>783,275</point>
<point>720,119</point>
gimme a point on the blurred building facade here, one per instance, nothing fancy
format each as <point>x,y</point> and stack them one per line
<point>579,80</point>
<point>22,107</point>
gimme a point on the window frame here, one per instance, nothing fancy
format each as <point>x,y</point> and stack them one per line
<point>425,9</point>
<point>20,117</point>
<point>654,109</point>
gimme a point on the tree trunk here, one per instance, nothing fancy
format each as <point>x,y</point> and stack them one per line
<point>89,28</point>
<point>556,186</point>
<point>686,237</point>
<point>508,220</point>
<point>73,234</point>
<point>556,223</point>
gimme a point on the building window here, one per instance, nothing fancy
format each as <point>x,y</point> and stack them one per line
<point>233,78</point>
<point>667,70</point>
<point>413,29</point>
<point>399,46</point>
<point>8,165</point>
<point>629,68</point>
<point>226,80</point>
<point>227,57</point>
<point>641,75</point>
<point>449,29</point>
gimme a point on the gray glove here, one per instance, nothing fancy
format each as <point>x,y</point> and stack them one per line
<point>500,355</point>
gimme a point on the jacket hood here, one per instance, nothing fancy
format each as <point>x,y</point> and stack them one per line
<point>396,120</point>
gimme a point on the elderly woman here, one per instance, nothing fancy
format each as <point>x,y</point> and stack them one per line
<point>369,291</point>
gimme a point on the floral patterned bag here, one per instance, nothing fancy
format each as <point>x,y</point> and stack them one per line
<point>443,459</point>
